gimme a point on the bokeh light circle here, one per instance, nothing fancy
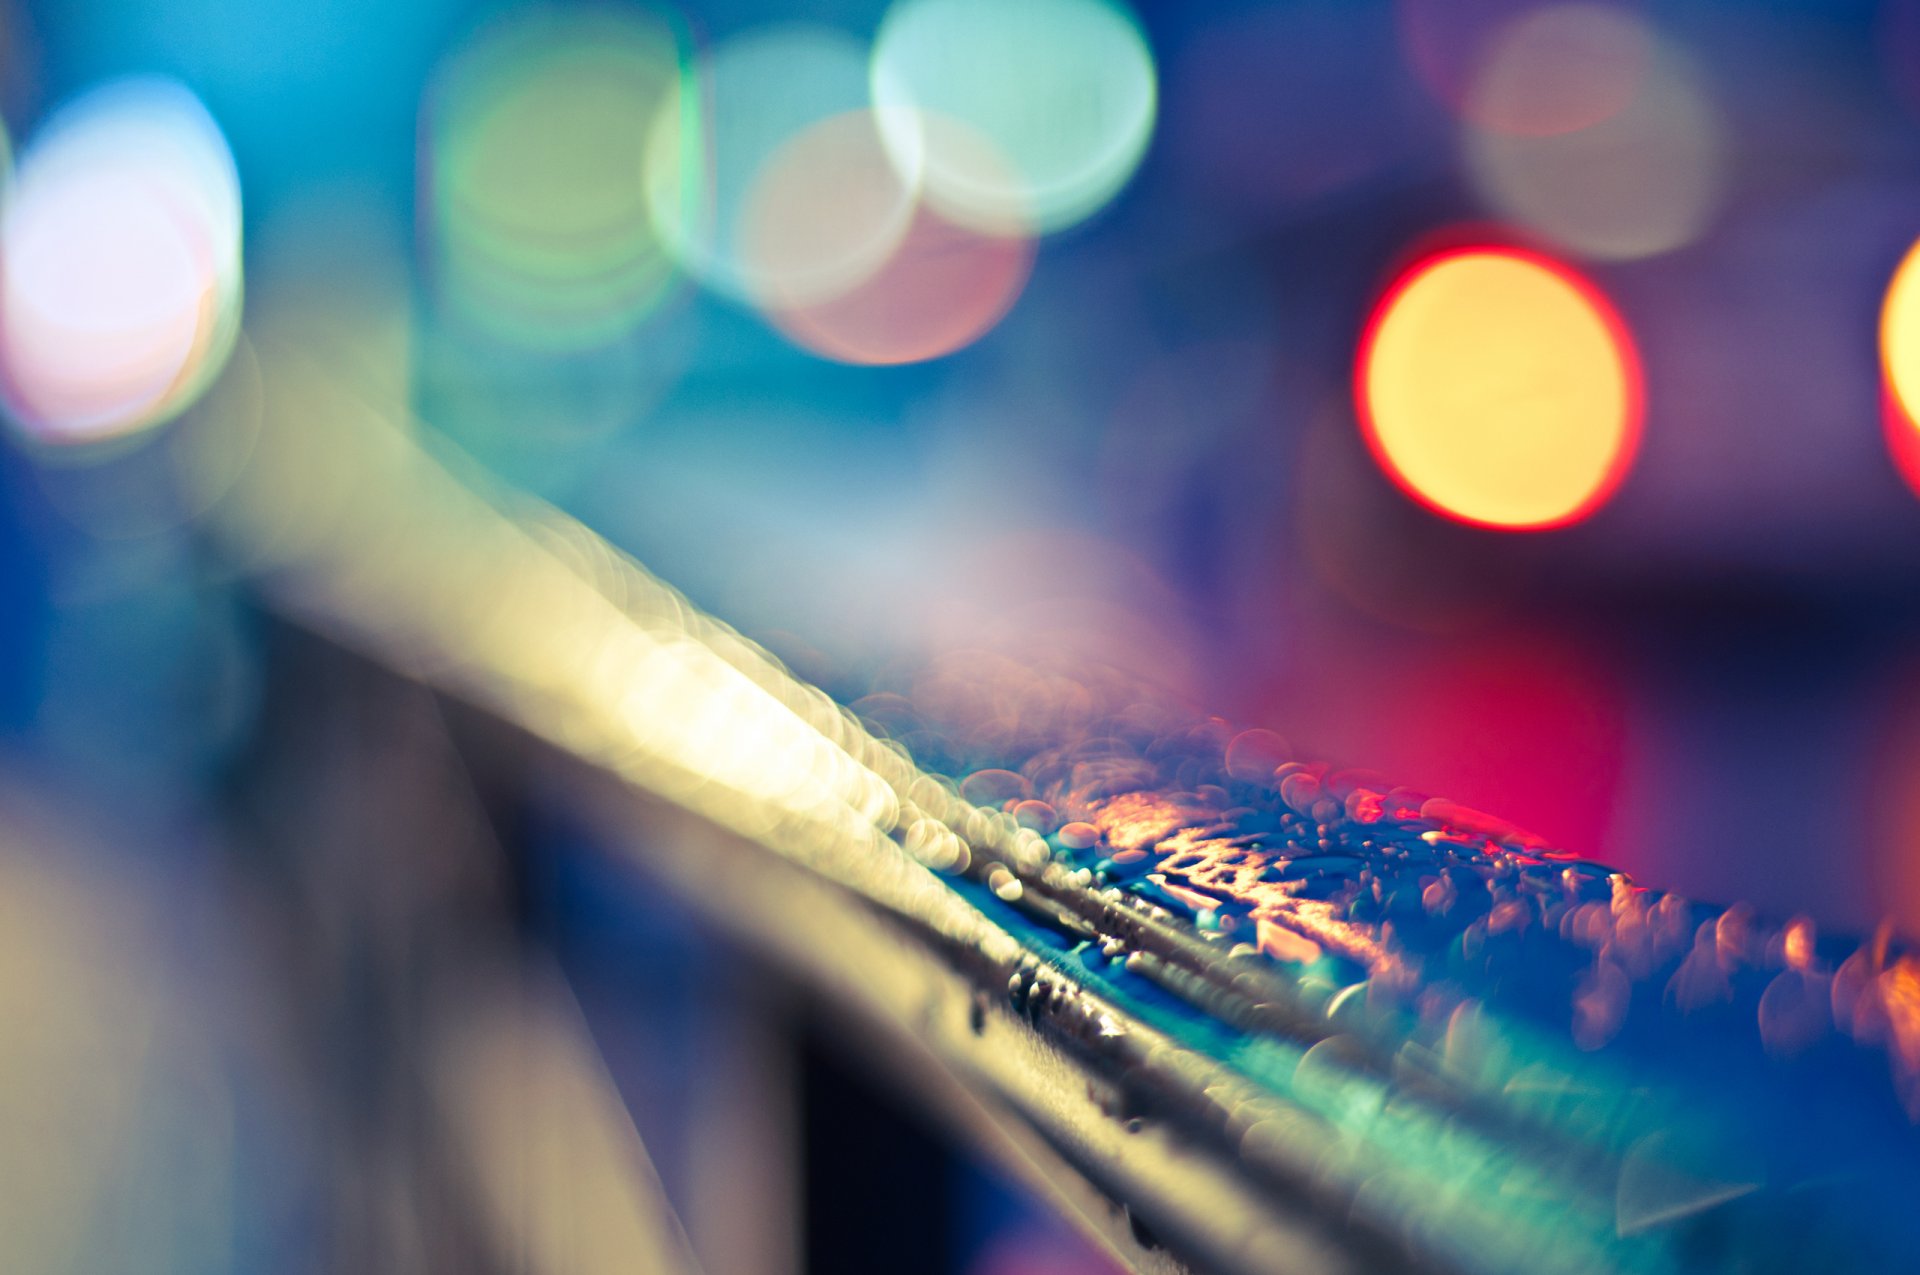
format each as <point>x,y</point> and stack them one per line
<point>945,286</point>
<point>1605,138</point>
<point>1571,77</point>
<point>1500,388</point>
<point>824,213</point>
<point>1560,68</point>
<point>539,144</point>
<point>1900,364</point>
<point>939,285</point>
<point>1064,90</point>
<point>756,93</point>
<point>120,275</point>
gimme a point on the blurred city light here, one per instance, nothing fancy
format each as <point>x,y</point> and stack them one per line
<point>119,264</point>
<point>1559,68</point>
<point>537,171</point>
<point>825,213</point>
<point>1064,90</point>
<point>940,287</point>
<point>1500,388</point>
<point>1596,134</point>
<point>755,93</point>
<point>1900,366</point>
<point>1527,68</point>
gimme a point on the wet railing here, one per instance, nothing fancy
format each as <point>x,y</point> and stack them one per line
<point>1236,1011</point>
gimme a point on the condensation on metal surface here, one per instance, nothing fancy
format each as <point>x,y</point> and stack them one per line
<point>1469,1048</point>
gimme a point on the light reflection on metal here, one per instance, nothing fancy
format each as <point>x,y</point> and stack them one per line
<point>1269,1009</point>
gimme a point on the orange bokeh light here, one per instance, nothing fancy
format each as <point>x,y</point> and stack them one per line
<point>848,260</point>
<point>943,288</point>
<point>1900,366</point>
<point>1499,387</point>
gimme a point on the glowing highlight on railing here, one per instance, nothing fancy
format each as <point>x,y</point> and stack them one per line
<point>589,651</point>
<point>1498,387</point>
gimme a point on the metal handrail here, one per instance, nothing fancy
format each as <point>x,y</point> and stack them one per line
<point>1265,1022</point>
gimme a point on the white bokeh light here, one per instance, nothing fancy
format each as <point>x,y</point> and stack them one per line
<point>120,248</point>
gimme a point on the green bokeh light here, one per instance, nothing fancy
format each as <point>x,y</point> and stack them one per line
<point>539,156</point>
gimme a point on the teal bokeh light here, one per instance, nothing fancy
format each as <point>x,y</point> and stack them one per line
<point>1063,90</point>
